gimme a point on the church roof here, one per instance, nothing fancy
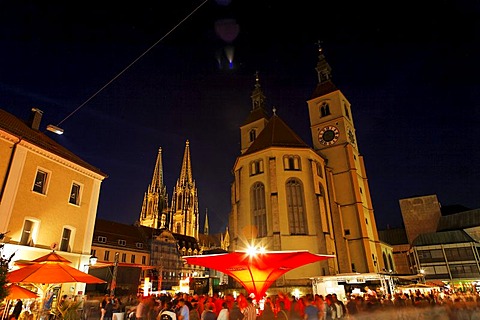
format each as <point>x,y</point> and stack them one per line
<point>324,88</point>
<point>394,236</point>
<point>462,220</point>
<point>22,130</point>
<point>276,134</point>
<point>444,237</point>
<point>255,115</point>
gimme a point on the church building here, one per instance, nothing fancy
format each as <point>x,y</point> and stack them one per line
<point>288,195</point>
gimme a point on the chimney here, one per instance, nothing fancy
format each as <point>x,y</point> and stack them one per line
<point>36,118</point>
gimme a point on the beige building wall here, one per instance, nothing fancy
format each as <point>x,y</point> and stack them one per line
<point>361,250</point>
<point>51,211</point>
<point>274,178</point>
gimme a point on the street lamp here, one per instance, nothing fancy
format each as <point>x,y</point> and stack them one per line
<point>422,272</point>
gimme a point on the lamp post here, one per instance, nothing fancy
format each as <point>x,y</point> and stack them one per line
<point>113,284</point>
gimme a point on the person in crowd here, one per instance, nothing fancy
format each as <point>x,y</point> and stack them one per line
<point>250,311</point>
<point>311,310</point>
<point>235,312</point>
<point>210,313</point>
<point>183,312</point>
<point>17,310</point>
<point>282,313</point>
<point>108,309</point>
<point>267,313</point>
<point>224,312</point>
<point>141,310</point>
<point>167,313</point>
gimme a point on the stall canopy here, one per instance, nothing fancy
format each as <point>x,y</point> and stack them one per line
<point>256,271</point>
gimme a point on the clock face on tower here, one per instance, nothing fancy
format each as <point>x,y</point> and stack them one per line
<point>328,135</point>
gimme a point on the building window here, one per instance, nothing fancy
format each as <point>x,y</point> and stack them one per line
<point>256,167</point>
<point>66,237</point>
<point>144,260</point>
<point>324,110</point>
<point>27,233</point>
<point>132,259</point>
<point>102,239</point>
<point>139,245</point>
<point>124,257</point>
<point>295,206</point>
<point>319,168</point>
<point>253,135</point>
<point>122,243</point>
<point>40,184</point>
<point>347,232</point>
<point>106,255</point>
<point>258,209</point>
<point>75,194</point>
<point>291,162</point>
<point>347,113</point>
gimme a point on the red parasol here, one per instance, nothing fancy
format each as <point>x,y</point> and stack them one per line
<point>17,292</point>
<point>256,272</point>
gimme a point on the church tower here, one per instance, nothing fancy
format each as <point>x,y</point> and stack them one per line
<point>184,208</point>
<point>333,135</point>
<point>154,212</point>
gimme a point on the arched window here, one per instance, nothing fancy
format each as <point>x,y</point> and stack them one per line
<point>385,261</point>
<point>324,110</point>
<point>296,208</point>
<point>259,211</point>
<point>390,262</point>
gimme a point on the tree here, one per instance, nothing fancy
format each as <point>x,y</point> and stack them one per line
<point>3,270</point>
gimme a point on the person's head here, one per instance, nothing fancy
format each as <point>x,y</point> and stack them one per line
<point>249,300</point>
<point>181,301</point>
<point>224,305</point>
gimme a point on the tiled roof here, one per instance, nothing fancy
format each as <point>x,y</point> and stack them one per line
<point>276,134</point>
<point>444,237</point>
<point>323,89</point>
<point>21,129</point>
<point>115,231</point>
<point>255,115</point>
<point>394,236</point>
<point>462,220</point>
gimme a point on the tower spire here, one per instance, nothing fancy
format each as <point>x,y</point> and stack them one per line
<point>258,98</point>
<point>186,172</point>
<point>323,68</point>
<point>155,202</point>
<point>157,179</point>
<point>185,200</point>
<point>205,227</point>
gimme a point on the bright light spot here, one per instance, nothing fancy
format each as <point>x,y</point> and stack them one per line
<point>251,250</point>
<point>262,250</point>
<point>296,293</point>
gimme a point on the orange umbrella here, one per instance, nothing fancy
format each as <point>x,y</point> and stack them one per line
<point>50,272</point>
<point>256,272</point>
<point>17,292</point>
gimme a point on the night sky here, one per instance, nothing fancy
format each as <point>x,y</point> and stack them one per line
<point>410,70</point>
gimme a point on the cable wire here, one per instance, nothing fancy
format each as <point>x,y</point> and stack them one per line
<point>132,63</point>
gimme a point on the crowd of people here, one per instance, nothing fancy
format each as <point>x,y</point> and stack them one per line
<point>434,304</point>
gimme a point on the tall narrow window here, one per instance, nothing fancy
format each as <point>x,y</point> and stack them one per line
<point>65,243</point>
<point>258,209</point>
<point>27,233</point>
<point>106,255</point>
<point>253,135</point>
<point>124,257</point>
<point>40,184</point>
<point>291,162</point>
<point>132,259</point>
<point>295,206</point>
<point>75,194</point>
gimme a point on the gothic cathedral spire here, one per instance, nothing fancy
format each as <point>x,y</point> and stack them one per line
<point>154,212</point>
<point>185,200</point>
<point>206,227</point>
